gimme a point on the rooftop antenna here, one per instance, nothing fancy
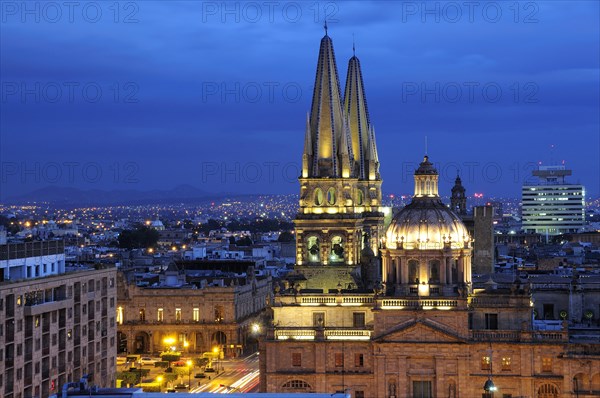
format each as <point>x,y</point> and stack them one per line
<point>325,26</point>
<point>425,145</point>
<point>552,146</point>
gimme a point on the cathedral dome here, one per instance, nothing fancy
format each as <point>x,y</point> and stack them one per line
<point>426,223</point>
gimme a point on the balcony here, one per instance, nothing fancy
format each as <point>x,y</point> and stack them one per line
<point>415,304</point>
<point>292,333</point>
<point>520,336</point>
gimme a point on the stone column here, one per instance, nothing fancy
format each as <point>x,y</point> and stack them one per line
<point>443,267</point>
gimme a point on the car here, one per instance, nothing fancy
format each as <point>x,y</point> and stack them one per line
<point>121,360</point>
<point>179,363</point>
<point>199,376</point>
<point>147,361</point>
<point>209,370</point>
<point>181,387</point>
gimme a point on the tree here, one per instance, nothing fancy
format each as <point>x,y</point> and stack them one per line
<point>169,377</point>
<point>285,236</point>
<point>141,237</point>
<point>181,371</point>
<point>245,241</point>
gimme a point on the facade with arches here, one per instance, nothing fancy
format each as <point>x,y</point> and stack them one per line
<point>192,320</point>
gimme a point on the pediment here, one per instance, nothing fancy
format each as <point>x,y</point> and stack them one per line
<point>419,331</point>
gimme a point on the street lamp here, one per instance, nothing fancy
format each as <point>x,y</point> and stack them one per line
<point>189,364</point>
<point>160,380</point>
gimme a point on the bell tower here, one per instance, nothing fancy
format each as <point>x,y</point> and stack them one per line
<point>458,200</point>
<point>340,185</point>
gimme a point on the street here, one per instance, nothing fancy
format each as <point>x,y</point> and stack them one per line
<point>239,375</point>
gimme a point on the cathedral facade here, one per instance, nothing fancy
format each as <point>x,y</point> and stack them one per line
<point>395,313</point>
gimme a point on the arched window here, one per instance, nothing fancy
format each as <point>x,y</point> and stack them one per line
<point>296,385</point>
<point>314,249</point>
<point>359,197</point>
<point>331,196</point>
<point>413,271</point>
<point>581,382</point>
<point>547,391</point>
<point>318,197</point>
<point>337,250</point>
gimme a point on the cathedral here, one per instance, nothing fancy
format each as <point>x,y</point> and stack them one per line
<point>393,311</point>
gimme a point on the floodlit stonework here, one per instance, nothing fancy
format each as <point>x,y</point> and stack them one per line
<point>424,328</point>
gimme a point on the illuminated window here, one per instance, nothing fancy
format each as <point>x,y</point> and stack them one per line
<point>296,359</point>
<point>506,363</point>
<point>318,197</point>
<point>120,315</point>
<point>218,314</point>
<point>331,196</point>
<point>142,315</point>
<point>359,197</point>
<point>339,359</point>
<point>160,315</point>
<point>485,362</point>
<point>546,364</point>
<point>178,314</point>
<point>196,314</point>
<point>359,360</point>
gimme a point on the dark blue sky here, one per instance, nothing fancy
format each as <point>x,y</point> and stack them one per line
<point>151,95</point>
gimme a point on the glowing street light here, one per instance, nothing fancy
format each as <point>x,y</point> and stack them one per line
<point>189,364</point>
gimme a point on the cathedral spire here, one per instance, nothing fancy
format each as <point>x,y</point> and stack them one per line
<point>326,120</point>
<point>357,112</point>
<point>308,149</point>
<point>372,159</point>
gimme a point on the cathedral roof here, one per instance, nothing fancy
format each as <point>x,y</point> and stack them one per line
<point>426,223</point>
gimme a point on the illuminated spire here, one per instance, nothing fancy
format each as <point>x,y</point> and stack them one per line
<point>371,158</point>
<point>357,113</point>
<point>326,120</point>
<point>308,150</point>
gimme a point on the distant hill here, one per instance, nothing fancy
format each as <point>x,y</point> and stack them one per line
<point>68,196</point>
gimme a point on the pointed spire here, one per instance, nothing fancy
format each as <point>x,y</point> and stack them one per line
<point>356,110</point>
<point>353,46</point>
<point>326,118</point>
<point>346,154</point>
<point>308,149</point>
<point>325,27</point>
<point>372,157</point>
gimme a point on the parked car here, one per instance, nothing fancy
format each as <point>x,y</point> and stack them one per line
<point>209,370</point>
<point>199,376</point>
<point>181,387</point>
<point>147,361</point>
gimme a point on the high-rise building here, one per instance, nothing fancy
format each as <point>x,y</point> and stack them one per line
<point>552,206</point>
<point>57,323</point>
<point>340,186</point>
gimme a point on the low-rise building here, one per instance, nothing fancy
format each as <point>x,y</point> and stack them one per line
<point>193,311</point>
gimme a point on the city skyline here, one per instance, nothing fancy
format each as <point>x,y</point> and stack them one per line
<point>203,103</point>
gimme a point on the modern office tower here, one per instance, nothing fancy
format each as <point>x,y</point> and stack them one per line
<point>552,206</point>
<point>58,323</point>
